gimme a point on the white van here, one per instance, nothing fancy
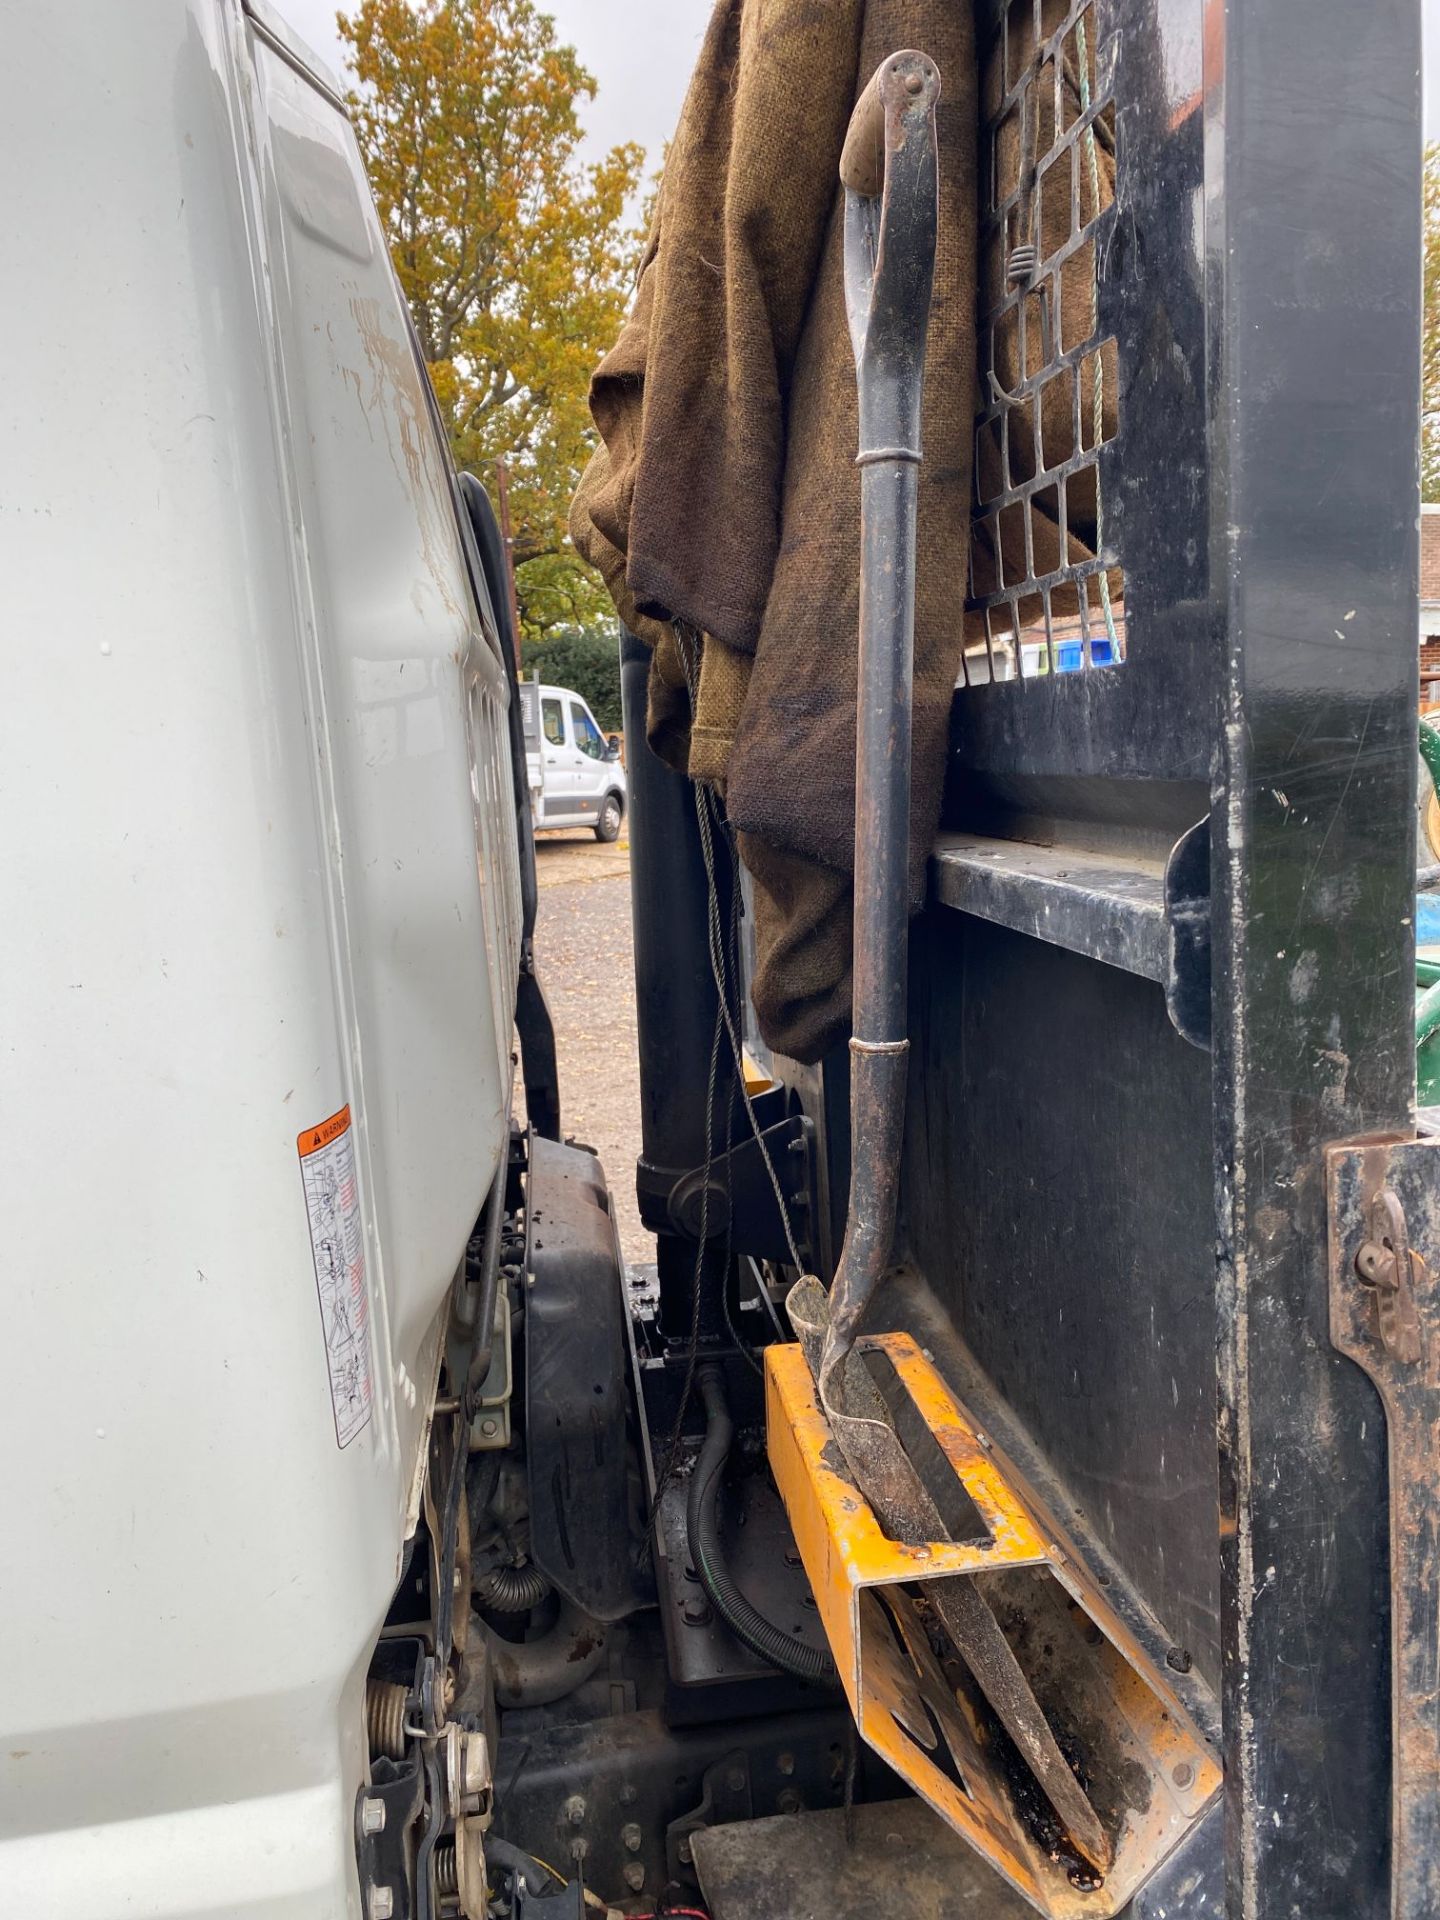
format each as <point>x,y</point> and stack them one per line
<point>576,779</point>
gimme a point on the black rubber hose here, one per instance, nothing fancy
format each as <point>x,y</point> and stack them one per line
<point>511,1589</point>
<point>515,1861</point>
<point>748,1626</point>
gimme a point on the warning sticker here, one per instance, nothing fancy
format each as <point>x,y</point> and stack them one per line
<point>327,1167</point>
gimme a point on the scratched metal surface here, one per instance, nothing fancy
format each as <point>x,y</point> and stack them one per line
<point>1315,328</point>
<point>1259,280</point>
<point>1058,1199</point>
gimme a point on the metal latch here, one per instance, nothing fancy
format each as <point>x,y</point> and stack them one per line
<point>1384,1315</point>
<point>1388,1265</point>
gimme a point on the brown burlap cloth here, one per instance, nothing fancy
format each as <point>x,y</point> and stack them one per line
<point>725,495</point>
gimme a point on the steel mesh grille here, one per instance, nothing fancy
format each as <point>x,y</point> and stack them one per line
<point>1045,593</point>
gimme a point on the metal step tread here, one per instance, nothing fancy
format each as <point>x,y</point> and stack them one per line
<point>1109,905</point>
<point>798,1866</point>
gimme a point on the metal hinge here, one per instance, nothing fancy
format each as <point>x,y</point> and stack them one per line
<point>1383,1197</point>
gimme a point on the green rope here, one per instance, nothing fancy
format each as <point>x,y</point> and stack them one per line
<point>1082,49</point>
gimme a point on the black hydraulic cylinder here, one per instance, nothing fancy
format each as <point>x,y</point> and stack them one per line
<point>675,1006</point>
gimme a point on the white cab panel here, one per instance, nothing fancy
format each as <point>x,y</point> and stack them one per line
<point>257,867</point>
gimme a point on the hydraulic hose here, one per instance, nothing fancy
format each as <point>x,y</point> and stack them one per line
<point>747,1625</point>
<point>514,1860</point>
<point>511,1589</point>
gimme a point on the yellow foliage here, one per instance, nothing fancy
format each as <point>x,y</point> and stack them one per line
<point>517,261</point>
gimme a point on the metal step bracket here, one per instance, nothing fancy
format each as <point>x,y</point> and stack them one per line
<point>1051,1676</point>
<point>1384,1210</point>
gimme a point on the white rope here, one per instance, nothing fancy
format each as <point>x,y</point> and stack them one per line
<point>1082,51</point>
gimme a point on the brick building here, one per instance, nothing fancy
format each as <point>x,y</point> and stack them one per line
<point>1430,606</point>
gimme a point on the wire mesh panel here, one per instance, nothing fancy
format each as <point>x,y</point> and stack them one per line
<point>1087,570</point>
<point>1045,594</point>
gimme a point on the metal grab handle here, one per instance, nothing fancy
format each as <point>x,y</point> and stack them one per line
<point>889,170</point>
<point>862,159</point>
<point>891,195</point>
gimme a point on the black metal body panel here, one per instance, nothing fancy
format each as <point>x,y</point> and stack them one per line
<point>618,1789</point>
<point>681,1102</point>
<point>1315,346</point>
<point>575,1385</point>
<point>1058,1201</point>
<point>1072,1164</point>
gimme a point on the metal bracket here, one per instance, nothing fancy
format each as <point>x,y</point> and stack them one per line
<point>387,1807</point>
<point>490,1424</point>
<point>725,1796</point>
<point>1027,1638</point>
<point>740,1192</point>
<point>1187,917</point>
<point>469,1785</point>
<point>1385,1316</point>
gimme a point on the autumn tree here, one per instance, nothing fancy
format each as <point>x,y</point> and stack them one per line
<point>517,260</point>
<point>1430,351</point>
<point>586,660</point>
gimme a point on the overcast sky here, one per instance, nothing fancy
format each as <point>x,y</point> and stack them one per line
<point>641,53</point>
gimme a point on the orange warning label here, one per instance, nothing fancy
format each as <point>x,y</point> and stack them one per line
<point>314,1138</point>
<point>337,1241</point>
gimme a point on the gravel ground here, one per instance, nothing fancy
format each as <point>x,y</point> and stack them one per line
<point>584,951</point>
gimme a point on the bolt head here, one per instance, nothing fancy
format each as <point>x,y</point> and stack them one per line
<point>489,1428</point>
<point>696,1612</point>
<point>1179,1660</point>
<point>381,1903</point>
<point>630,1837</point>
<point>785,1763</point>
<point>634,1875</point>
<point>575,1810</point>
<point>735,1780</point>
<point>1183,1775</point>
<point>684,1853</point>
<point>372,1816</point>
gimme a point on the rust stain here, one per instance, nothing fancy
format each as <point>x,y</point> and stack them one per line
<point>396,396</point>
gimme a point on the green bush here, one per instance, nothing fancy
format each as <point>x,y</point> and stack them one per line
<point>585,659</point>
